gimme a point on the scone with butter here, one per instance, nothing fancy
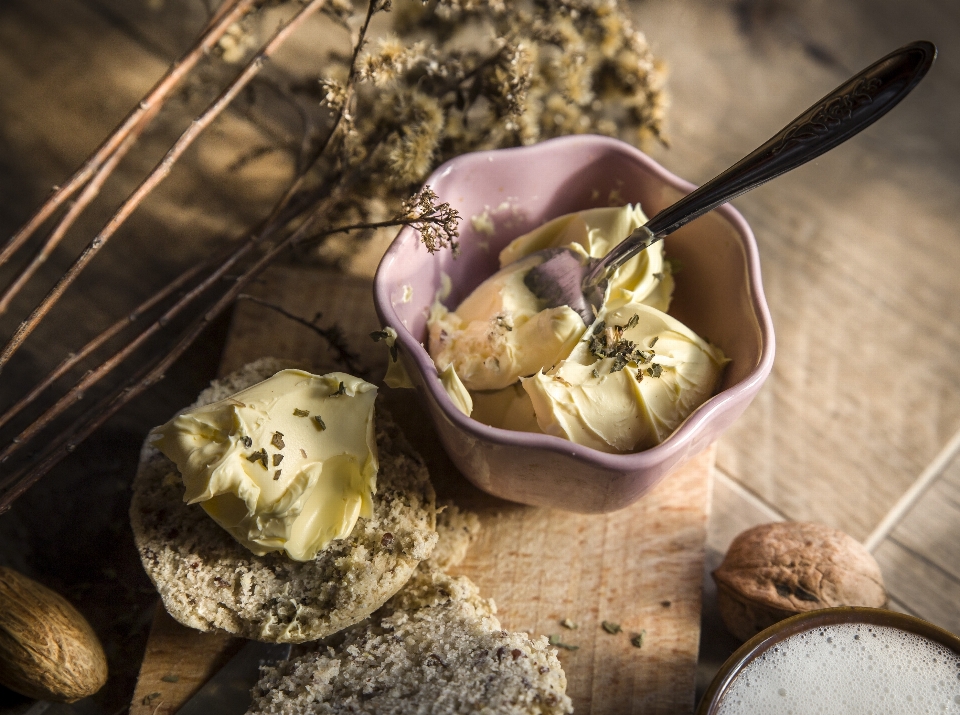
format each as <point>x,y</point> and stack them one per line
<point>279,509</point>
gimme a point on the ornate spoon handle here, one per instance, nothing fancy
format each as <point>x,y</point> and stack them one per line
<point>851,107</point>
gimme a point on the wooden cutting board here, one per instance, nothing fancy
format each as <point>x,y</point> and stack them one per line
<point>640,568</point>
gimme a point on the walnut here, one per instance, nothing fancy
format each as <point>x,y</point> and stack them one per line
<point>774,571</point>
<point>47,649</point>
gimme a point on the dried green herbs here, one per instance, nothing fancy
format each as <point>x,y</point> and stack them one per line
<point>260,456</point>
<point>297,412</point>
<point>608,342</point>
<point>318,421</point>
<point>611,627</point>
<point>277,440</point>
<point>378,335</point>
<point>556,642</point>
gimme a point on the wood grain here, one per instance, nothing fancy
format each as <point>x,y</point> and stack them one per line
<point>920,559</point>
<point>859,249</point>
<point>177,662</point>
<point>640,567</point>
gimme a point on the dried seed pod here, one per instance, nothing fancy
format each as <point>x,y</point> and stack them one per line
<point>774,571</point>
<point>47,649</point>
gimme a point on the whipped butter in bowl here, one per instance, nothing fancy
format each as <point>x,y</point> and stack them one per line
<point>484,383</point>
<point>621,384</point>
<point>288,464</point>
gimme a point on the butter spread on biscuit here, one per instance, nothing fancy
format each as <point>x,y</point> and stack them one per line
<point>289,464</point>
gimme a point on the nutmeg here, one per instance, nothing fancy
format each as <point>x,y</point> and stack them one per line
<point>774,571</point>
<point>47,649</point>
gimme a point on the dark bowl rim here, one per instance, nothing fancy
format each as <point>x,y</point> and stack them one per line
<point>808,621</point>
<point>689,428</point>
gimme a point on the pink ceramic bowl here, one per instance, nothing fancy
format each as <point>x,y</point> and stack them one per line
<point>718,294</point>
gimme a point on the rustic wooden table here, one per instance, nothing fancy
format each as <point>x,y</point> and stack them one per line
<point>857,426</point>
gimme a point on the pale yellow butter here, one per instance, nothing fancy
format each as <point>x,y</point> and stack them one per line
<point>531,370</point>
<point>635,407</point>
<point>500,332</point>
<point>268,471</point>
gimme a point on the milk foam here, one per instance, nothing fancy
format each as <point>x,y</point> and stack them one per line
<point>854,669</point>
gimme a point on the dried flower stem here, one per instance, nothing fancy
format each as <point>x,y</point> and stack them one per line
<point>158,174</point>
<point>301,177</point>
<point>99,166</point>
<point>75,358</point>
<point>331,335</point>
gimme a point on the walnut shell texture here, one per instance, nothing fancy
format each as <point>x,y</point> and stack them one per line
<point>774,571</point>
<point>47,649</point>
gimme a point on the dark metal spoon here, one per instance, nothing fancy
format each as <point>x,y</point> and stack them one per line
<point>564,279</point>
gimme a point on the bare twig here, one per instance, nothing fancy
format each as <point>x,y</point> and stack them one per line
<point>159,173</point>
<point>119,142</point>
<point>223,265</point>
<point>332,335</point>
<point>77,392</point>
<point>75,358</point>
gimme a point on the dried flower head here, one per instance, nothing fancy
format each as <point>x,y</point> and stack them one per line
<point>438,224</point>
<point>448,77</point>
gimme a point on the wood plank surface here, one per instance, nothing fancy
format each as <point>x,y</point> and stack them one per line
<point>860,249</point>
<point>177,662</point>
<point>640,567</point>
<point>859,254</point>
<point>920,559</point>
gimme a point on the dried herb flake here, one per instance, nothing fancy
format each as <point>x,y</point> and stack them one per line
<point>556,642</point>
<point>637,640</point>
<point>318,420</point>
<point>170,678</point>
<point>260,456</point>
<point>567,623</point>
<point>277,458</point>
<point>276,474</point>
<point>611,627</point>
<point>277,440</point>
<point>297,412</point>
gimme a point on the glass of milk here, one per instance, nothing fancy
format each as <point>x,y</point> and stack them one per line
<point>854,661</point>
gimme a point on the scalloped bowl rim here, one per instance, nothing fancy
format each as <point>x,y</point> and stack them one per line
<point>632,461</point>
